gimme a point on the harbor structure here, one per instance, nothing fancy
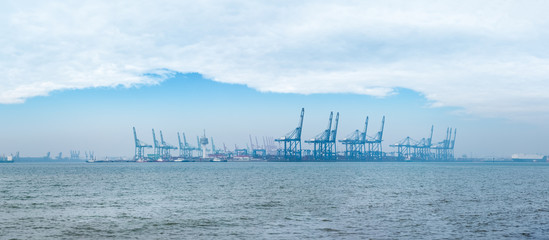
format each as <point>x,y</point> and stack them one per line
<point>409,149</point>
<point>291,142</point>
<point>204,143</point>
<point>355,144</point>
<point>358,146</point>
<point>375,147</point>
<point>324,147</point>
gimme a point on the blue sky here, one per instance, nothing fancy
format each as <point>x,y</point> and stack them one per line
<point>92,69</point>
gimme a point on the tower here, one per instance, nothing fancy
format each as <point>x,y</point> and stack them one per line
<point>204,143</point>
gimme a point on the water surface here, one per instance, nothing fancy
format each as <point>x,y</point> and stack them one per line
<point>274,200</point>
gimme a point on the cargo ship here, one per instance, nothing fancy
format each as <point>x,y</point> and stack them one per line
<point>529,158</point>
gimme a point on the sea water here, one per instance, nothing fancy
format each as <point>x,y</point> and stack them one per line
<point>268,200</point>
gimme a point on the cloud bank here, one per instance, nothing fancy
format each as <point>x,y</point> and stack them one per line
<point>490,58</point>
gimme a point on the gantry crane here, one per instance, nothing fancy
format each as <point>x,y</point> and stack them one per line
<point>444,150</point>
<point>257,150</point>
<point>157,147</point>
<point>375,149</point>
<point>292,141</point>
<point>332,144</point>
<point>423,148</point>
<point>451,147</point>
<point>185,150</point>
<point>355,143</point>
<point>166,155</point>
<point>181,146</point>
<point>405,148</point>
<point>75,155</point>
<point>410,149</point>
<point>324,143</point>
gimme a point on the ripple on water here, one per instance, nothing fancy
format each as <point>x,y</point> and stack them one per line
<point>274,200</point>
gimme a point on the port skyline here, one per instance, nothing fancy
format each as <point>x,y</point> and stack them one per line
<point>260,114</point>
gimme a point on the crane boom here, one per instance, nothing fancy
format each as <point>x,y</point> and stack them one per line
<point>363,137</point>
<point>300,124</point>
<point>179,139</point>
<point>154,139</point>
<point>329,130</point>
<point>334,132</point>
<point>430,137</point>
<point>382,127</point>
<point>162,138</point>
<point>135,137</point>
<point>454,141</point>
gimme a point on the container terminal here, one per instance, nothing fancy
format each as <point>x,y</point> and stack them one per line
<point>359,145</point>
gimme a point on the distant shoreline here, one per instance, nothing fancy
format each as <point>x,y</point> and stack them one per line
<point>462,160</point>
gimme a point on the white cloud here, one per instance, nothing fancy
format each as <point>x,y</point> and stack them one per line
<point>488,57</point>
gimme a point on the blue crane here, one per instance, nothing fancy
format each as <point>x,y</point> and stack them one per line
<point>452,144</point>
<point>422,148</point>
<point>188,148</point>
<point>332,142</point>
<point>355,143</point>
<point>410,149</point>
<point>375,148</point>
<point>405,148</point>
<point>324,143</point>
<point>166,155</point>
<point>181,145</point>
<point>292,141</point>
<point>444,150</point>
<point>157,147</point>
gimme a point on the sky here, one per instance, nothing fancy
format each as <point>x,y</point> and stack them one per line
<point>77,75</point>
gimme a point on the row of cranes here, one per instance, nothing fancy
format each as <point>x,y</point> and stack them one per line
<point>261,151</point>
<point>324,144</point>
<point>75,155</point>
<point>162,149</point>
<point>359,146</point>
<point>425,150</point>
<point>254,150</point>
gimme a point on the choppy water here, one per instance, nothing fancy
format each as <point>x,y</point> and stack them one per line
<point>274,201</point>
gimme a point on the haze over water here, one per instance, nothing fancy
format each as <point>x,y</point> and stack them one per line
<point>274,200</point>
